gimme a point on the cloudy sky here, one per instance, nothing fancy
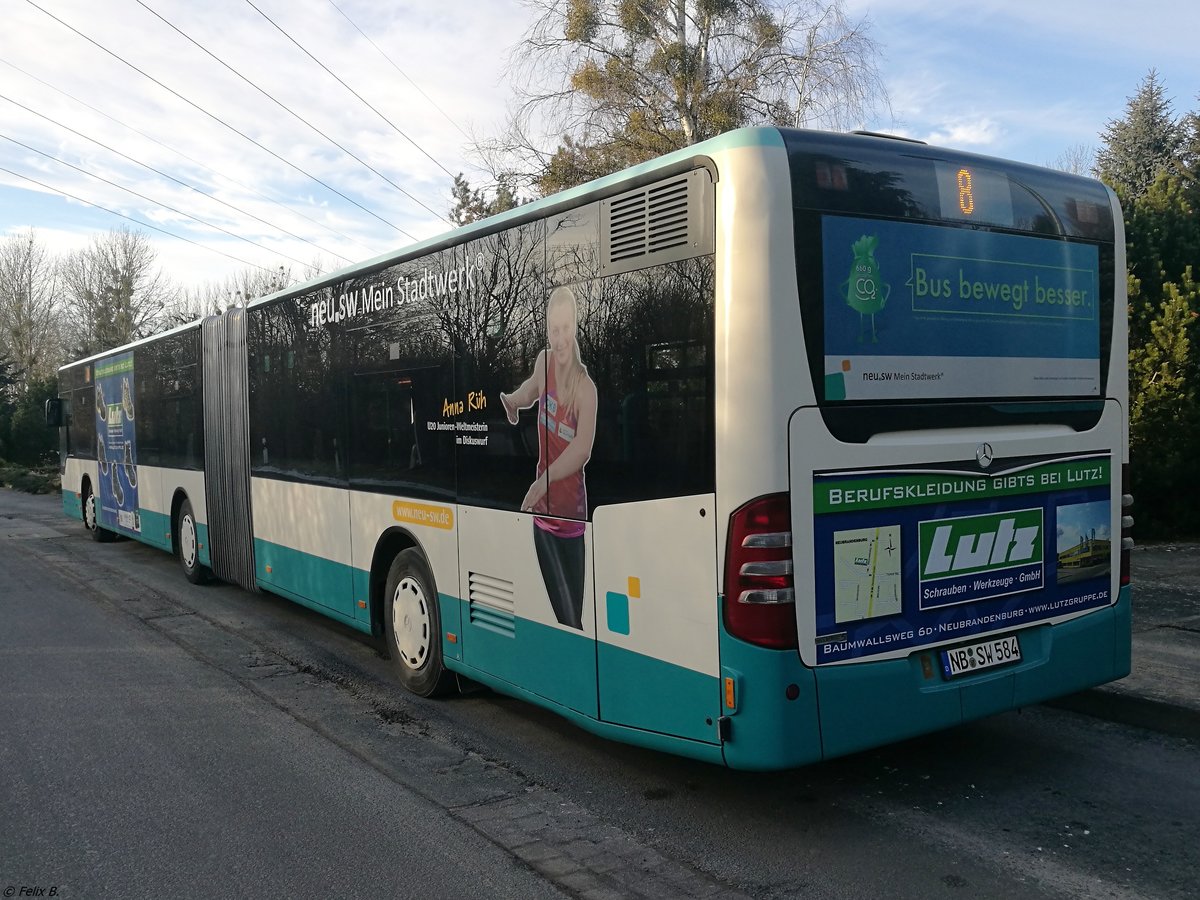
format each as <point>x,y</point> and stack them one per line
<point>186,104</point>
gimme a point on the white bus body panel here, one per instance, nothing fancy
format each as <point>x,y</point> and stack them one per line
<point>761,367</point>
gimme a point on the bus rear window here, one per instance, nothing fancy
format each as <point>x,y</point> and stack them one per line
<point>930,278</point>
<point>923,312</point>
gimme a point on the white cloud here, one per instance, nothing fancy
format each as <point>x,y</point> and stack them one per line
<point>453,51</point>
<point>981,132</point>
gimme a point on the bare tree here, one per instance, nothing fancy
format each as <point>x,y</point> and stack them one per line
<point>114,293</point>
<point>1078,159</point>
<point>30,328</point>
<point>240,288</point>
<point>615,82</point>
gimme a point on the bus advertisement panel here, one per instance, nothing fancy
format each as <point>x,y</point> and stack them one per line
<point>916,556</point>
<point>915,312</point>
<point>116,444</point>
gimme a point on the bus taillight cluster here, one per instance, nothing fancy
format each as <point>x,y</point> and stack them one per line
<point>760,591</point>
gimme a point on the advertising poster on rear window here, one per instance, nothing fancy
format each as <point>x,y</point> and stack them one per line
<point>116,439</point>
<point>932,312</point>
<point>921,556</point>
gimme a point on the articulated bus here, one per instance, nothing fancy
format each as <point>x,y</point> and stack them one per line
<point>770,450</point>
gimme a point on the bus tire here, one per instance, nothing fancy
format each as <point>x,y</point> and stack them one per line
<point>187,545</point>
<point>91,517</point>
<point>413,623</point>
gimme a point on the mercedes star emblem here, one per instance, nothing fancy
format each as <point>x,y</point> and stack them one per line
<point>983,455</point>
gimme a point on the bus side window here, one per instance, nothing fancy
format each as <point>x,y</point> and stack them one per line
<point>651,357</point>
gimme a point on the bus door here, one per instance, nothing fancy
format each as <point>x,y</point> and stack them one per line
<point>657,651</point>
<point>395,453</point>
<point>527,613</point>
<point>655,560</point>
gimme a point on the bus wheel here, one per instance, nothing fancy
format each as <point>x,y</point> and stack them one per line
<point>91,519</point>
<point>414,626</point>
<point>187,545</point>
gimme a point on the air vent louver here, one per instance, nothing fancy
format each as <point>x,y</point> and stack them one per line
<point>492,603</point>
<point>662,222</point>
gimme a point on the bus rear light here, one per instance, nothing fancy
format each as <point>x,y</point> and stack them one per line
<point>768,539</point>
<point>1126,525</point>
<point>768,568</point>
<point>760,595</point>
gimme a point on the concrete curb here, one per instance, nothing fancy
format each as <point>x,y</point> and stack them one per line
<point>1130,709</point>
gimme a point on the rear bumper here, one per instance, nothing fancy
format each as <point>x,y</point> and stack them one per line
<point>844,709</point>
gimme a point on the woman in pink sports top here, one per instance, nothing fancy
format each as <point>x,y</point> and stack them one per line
<point>566,397</point>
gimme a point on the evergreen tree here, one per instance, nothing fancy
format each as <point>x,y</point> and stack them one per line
<point>10,379</point>
<point>1164,423</point>
<point>1146,143</point>
<point>1149,158</point>
<point>472,204</point>
<point>1163,237</point>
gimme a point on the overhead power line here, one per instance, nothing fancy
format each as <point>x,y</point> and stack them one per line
<point>149,137</point>
<point>393,64</point>
<point>221,121</point>
<point>157,203</point>
<point>113,212</point>
<point>347,87</point>
<point>177,181</point>
<point>289,110</point>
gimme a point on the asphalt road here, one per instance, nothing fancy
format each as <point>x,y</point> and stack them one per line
<point>158,738</point>
<point>132,768</point>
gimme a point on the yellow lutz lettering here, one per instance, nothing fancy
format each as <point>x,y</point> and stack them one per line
<point>423,514</point>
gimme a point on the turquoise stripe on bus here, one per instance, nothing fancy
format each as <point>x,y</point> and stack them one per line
<point>72,505</point>
<point>563,665</point>
<point>309,579</point>
<point>868,704</point>
<point>651,740</point>
<point>156,529</point>
<point>554,663</point>
<point>647,693</point>
<point>202,537</point>
<point>769,731</point>
<point>844,709</point>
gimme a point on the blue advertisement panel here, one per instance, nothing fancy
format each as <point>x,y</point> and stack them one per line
<point>116,445</point>
<point>913,557</point>
<point>924,311</point>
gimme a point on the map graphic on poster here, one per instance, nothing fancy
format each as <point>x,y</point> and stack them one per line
<point>116,444</point>
<point>867,569</point>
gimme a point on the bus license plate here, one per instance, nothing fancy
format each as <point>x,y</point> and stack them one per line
<point>984,655</point>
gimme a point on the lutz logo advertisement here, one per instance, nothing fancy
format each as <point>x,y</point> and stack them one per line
<point>923,556</point>
<point>976,557</point>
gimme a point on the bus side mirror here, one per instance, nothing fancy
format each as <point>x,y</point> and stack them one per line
<point>54,412</point>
